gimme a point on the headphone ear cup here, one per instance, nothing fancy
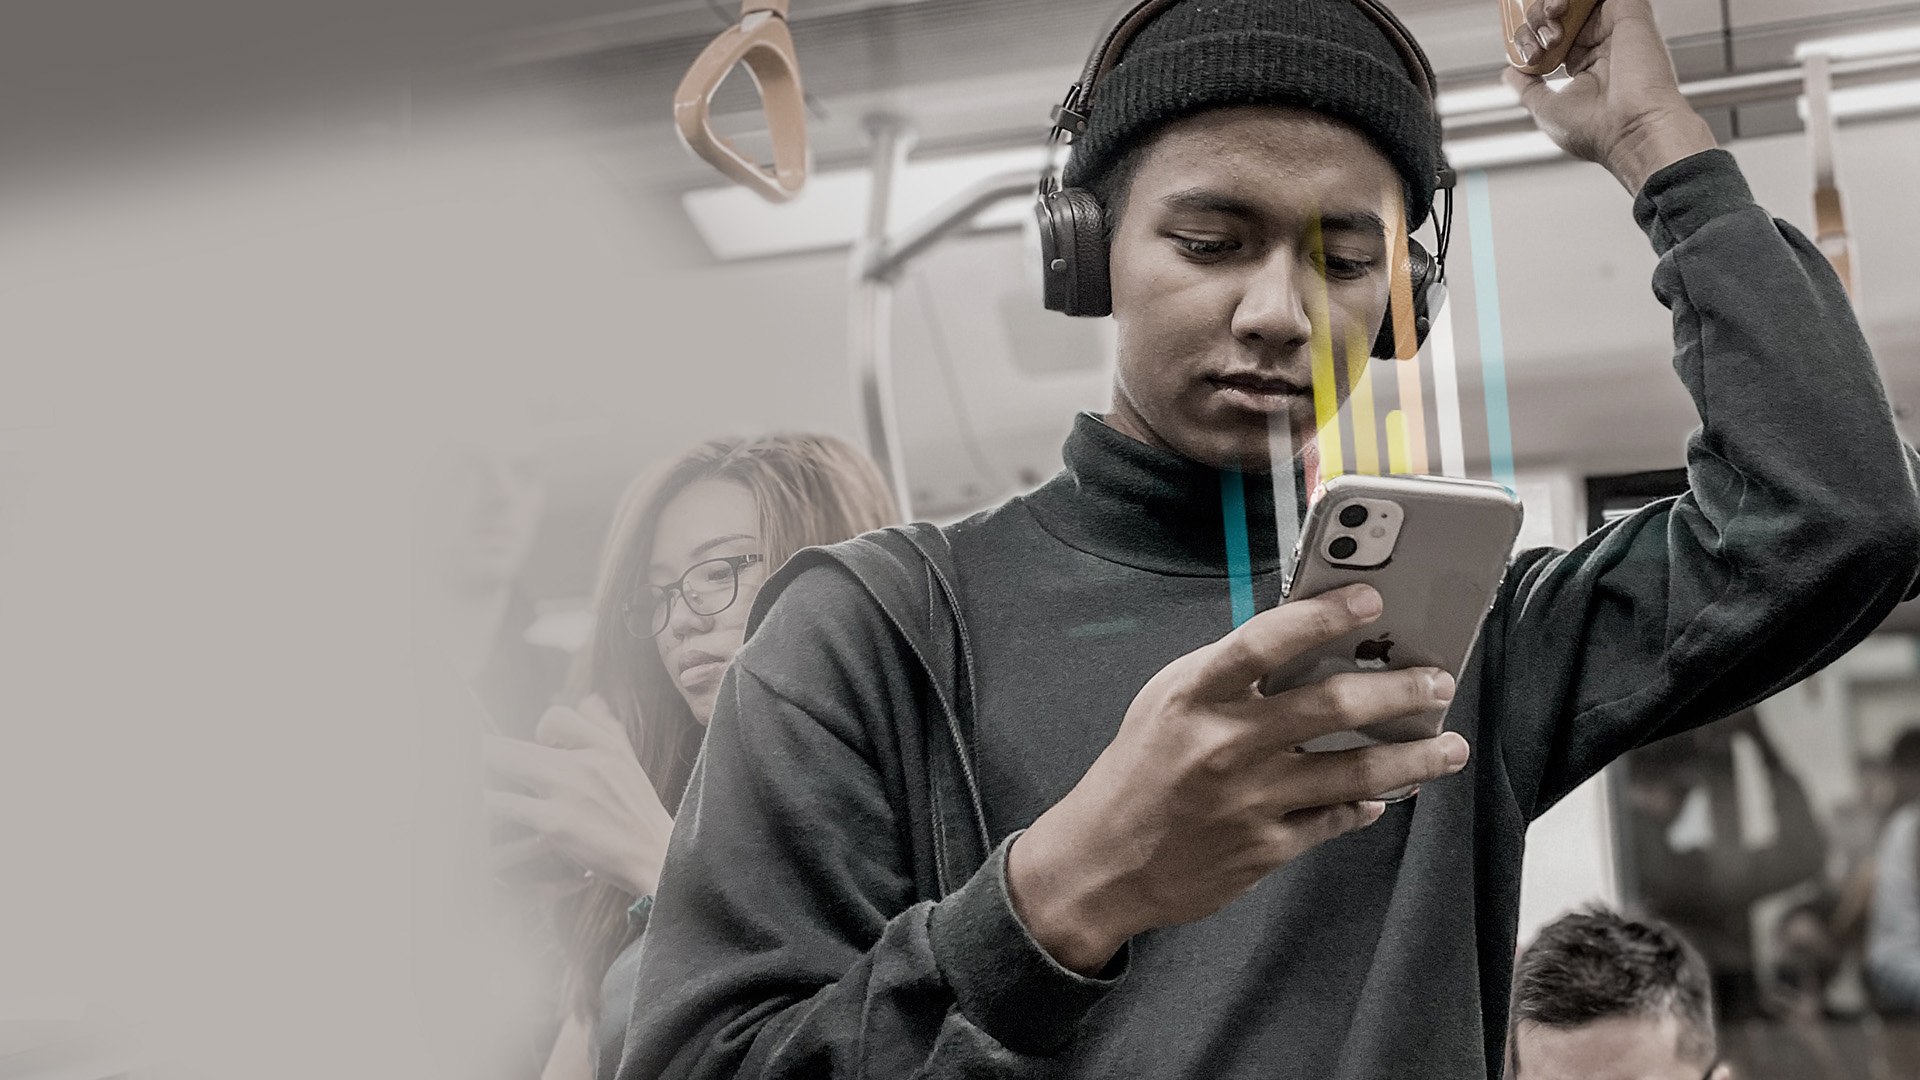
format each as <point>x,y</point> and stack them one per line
<point>1422,272</point>
<point>1073,246</point>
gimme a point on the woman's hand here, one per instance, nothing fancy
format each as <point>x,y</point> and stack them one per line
<point>584,795</point>
<point>1622,108</point>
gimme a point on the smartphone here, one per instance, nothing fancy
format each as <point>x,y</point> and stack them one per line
<point>1435,547</point>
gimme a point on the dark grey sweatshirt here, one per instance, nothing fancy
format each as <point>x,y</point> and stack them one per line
<point>793,937</point>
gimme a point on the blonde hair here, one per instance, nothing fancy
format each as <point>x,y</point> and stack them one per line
<point>810,490</point>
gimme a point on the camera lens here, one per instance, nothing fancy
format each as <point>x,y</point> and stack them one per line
<point>1353,515</point>
<point>1343,546</point>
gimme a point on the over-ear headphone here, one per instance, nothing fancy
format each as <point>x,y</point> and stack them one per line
<point>1073,228</point>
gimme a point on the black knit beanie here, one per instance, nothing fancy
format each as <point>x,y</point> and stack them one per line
<point>1323,55</point>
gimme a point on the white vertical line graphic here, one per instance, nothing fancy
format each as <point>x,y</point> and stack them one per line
<point>1286,500</point>
<point>1446,392</point>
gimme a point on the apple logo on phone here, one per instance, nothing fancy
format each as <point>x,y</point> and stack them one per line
<point>1373,655</point>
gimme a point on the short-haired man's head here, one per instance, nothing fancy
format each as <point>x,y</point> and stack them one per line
<point>1595,965</point>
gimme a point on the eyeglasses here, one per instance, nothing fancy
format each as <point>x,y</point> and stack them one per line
<point>708,588</point>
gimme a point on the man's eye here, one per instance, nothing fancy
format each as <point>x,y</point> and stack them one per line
<point>1345,269</point>
<point>1205,249</point>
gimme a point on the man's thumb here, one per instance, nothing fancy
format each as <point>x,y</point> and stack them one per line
<point>1529,87</point>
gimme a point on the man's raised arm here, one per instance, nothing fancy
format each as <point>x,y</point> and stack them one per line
<point>1801,529</point>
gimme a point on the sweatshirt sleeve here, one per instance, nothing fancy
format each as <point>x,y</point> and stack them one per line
<point>1800,531</point>
<point>788,938</point>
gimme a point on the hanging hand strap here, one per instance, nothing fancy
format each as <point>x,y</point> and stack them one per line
<point>762,41</point>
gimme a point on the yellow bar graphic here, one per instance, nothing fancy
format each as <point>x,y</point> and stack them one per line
<point>1397,442</point>
<point>1326,391</point>
<point>1326,409</point>
<point>1366,437</point>
<point>1413,416</point>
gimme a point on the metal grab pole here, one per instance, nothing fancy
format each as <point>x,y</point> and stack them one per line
<point>878,260</point>
<point>870,316</point>
<point>1829,221</point>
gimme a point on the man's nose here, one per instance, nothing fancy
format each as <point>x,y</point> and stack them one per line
<point>1274,307</point>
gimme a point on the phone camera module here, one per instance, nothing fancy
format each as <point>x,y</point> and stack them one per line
<point>1353,515</point>
<point>1343,547</point>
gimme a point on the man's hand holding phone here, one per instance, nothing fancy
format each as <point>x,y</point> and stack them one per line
<point>1201,794</point>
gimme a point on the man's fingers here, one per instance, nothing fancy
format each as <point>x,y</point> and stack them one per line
<point>1346,776</point>
<point>528,764</point>
<point>1594,32</point>
<point>1526,42</point>
<point>1544,29</point>
<point>1544,23</point>
<point>1254,649</point>
<point>1309,828</point>
<point>1354,699</point>
<point>1581,57</point>
<point>1531,88</point>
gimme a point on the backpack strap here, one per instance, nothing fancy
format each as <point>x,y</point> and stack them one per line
<point>909,571</point>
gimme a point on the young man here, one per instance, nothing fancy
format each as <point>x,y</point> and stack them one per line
<point>1168,891</point>
<point>1599,997</point>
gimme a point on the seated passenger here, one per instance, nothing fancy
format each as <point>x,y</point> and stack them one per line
<point>1708,891</point>
<point>1893,928</point>
<point>689,549</point>
<point>1600,997</point>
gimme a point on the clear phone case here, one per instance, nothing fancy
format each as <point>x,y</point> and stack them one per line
<point>1455,539</point>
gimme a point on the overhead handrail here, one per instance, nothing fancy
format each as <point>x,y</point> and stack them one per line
<point>762,41</point>
<point>1774,84</point>
<point>884,262</point>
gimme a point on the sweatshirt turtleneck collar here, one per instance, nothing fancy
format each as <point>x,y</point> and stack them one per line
<point>1130,503</point>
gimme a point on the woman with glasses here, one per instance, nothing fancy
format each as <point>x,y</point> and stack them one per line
<point>689,549</point>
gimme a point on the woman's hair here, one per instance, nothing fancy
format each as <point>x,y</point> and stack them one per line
<point>810,490</point>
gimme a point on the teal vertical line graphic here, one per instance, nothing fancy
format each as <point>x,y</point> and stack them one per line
<point>1233,513</point>
<point>1493,349</point>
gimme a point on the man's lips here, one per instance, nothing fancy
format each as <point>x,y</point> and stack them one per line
<point>1269,384</point>
<point>1264,393</point>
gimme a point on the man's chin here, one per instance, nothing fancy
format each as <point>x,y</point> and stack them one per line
<point>1247,448</point>
<point>1221,438</point>
<point>1237,439</point>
